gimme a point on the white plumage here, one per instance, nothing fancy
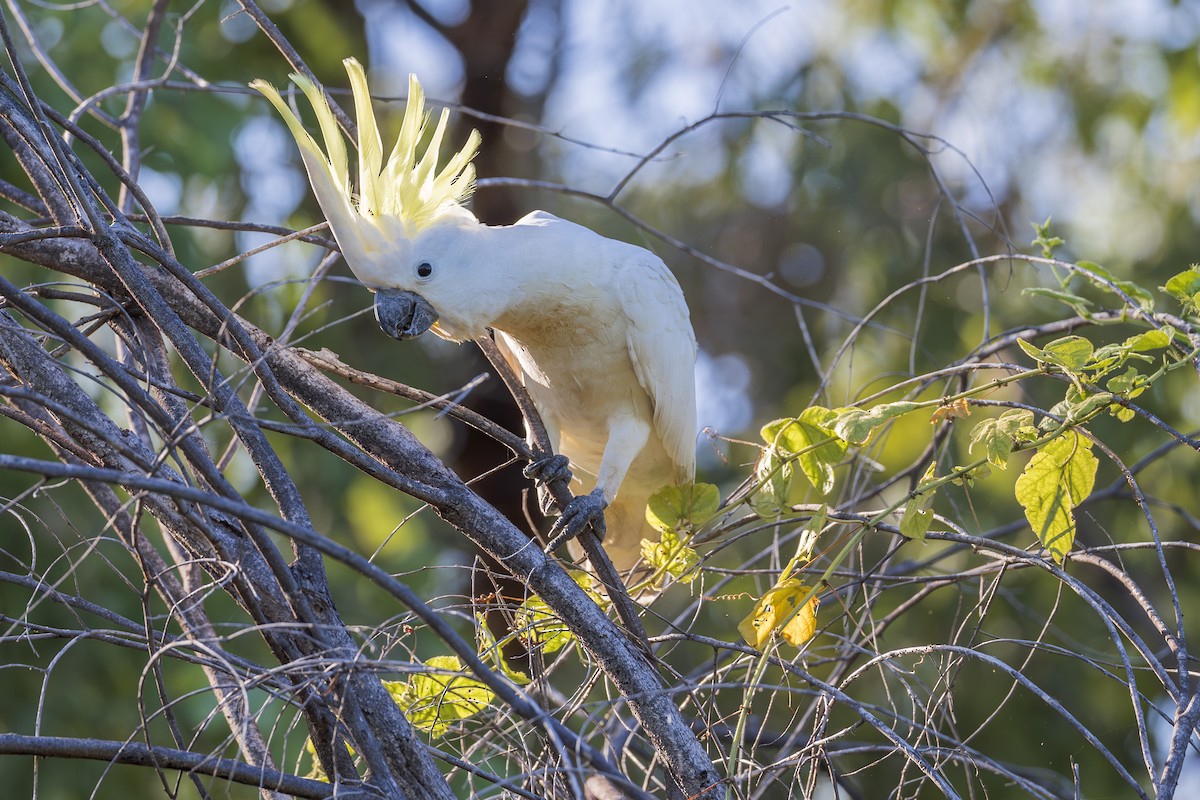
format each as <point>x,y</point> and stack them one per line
<point>597,329</point>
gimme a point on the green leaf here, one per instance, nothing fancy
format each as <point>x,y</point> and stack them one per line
<point>818,449</point>
<point>967,477</point>
<point>1084,406</point>
<point>774,475</point>
<point>1142,297</point>
<point>918,515</point>
<point>1150,340</point>
<point>1121,412</point>
<point>539,625</point>
<point>1080,305</point>
<point>999,435</point>
<point>434,700</point>
<point>855,425</point>
<point>1185,287</point>
<point>917,518</point>
<point>1044,240</point>
<point>810,442</point>
<point>489,651</point>
<point>1072,353</point>
<point>1032,350</point>
<point>1058,412</point>
<point>1058,478</point>
<point>687,507</point>
<point>672,555</point>
<point>1106,357</point>
<point>1129,384</point>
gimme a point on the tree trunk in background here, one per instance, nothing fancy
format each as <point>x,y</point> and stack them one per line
<point>486,41</point>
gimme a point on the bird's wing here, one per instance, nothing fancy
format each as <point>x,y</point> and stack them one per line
<point>506,350</point>
<point>549,420</point>
<point>662,347</point>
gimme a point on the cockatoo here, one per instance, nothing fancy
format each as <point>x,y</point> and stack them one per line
<point>597,329</point>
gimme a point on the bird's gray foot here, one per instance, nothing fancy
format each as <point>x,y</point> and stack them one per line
<point>545,471</point>
<point>549,469</point>
<point>584,510</point>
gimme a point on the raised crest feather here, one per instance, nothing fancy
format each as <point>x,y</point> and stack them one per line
<point>395,199</point>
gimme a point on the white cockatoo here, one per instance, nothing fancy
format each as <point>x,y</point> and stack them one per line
<point>597,329</point>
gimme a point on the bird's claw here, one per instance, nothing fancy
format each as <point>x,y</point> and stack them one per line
<point>543,472</point>
<point>549,469</point>
<point>584,510</point>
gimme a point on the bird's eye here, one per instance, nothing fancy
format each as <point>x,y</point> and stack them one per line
<point>424,269</point>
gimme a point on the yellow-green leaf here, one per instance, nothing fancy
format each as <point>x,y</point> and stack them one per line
<point>1070,352</point>
<point>856,425</point>
<point>671,555</point>
<point>999,435</point>
<point>774,475</point>
<point>807,541</point>
<point>811,442</point>
<point>1082,306</point>
<point>539,625</point>
<point>918,515</point>
<point>1142,297</point>
<point>316,772</point>
<point>434,699</point>
<point>687,507</point>
<point>1058,478</point>
<point>1031,350</point>
<point>1045,240</point>
<point>1150,340</point>
<point>779,609</point>
<point>1185,287</point>
<point>489,651</point>
<point>1082,406</point>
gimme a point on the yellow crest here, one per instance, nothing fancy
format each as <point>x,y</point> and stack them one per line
<point>408,189</point>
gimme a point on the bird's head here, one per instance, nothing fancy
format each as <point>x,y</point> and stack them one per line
<point>404,227</point>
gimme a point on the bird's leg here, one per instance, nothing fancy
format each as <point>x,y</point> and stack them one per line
<point>545,469</point>
<point>627,435</point>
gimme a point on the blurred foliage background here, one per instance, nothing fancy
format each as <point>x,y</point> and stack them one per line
<point>1086,112</point>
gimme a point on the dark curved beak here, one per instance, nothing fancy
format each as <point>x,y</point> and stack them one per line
<point>403,315</point>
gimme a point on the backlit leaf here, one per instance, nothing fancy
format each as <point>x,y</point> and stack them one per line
<point>1058,478</point>
<point>774,475</point>
<point>856,425</point>
<point>539,625</point>
<point>1185,287</point>
<point>809,443</point>
<point>444,694</point>
<point>674,508</point>
<point>779,609</point>
<point>1150,340</point>
<point>672,555</point>
<point>1072,353</point>
<point>489,650</point>
<point>918,515</point>
<point>999,435</point>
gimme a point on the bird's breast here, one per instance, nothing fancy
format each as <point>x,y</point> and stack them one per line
<point>580,375</point>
